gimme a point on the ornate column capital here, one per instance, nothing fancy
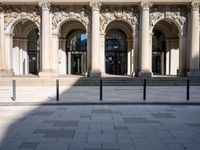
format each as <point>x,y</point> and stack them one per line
<point>195,6</point>
<point>95,5</point>
<point>1,8</point>
<point>145,5</point>
<point>45,5</point>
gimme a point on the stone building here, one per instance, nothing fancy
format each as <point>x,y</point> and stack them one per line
<point>85,37</point>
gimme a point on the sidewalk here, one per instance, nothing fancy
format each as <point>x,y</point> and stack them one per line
<point>119,127</point>
<point>90,94</point>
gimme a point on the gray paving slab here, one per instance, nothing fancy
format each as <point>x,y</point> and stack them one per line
<point>133,127</point>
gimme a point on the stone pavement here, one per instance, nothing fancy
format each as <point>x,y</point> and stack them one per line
<point>90,94</point>
<point>100,127</point>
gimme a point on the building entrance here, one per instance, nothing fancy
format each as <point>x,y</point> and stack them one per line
<point>116,53</point>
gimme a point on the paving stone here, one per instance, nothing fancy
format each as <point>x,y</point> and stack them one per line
<point>101,111</point>
<point>162,115</point>
<point>139,120</point>
<point>28,146</point>
<point>59,134</point>
<point>63,123</point>
<point>42,113</point>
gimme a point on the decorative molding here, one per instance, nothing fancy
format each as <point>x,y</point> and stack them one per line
<point>108,14</point>
<point>60,14</point>
<point>177,14</point>
<point>146,5</point>
<point>195,6</point>
<point>45,5</point>
<point>95,5</point>
<point>13,13</point>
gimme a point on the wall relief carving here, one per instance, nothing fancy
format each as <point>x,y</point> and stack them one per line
<point>13,13</point>
<point>177,14</point>
<point>60,14</point>
<point>108,14</point>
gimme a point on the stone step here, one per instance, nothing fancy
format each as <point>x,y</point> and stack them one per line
<point>85,81</point>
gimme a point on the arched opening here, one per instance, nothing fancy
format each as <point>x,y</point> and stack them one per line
<point>116,53</point>
<point>118,46</point>
<point>165,48</point>
<point>33,51</point>
<point>26,48</point>
<point>73,49</point>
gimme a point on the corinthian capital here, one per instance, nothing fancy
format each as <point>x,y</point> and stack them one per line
<point>95,5</point>
<point>195,5</point>
<point>45,5</point>
<point>145,5</point>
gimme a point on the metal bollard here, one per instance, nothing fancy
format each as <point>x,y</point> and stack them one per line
<point>57,90</point>
<point>144,89</point>
<point>14,90</point>
<point>101,90</point>
<point>188,90</point>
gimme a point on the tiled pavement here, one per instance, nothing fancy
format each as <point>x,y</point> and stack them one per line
<point>90,94</point>
<point>100,127</point>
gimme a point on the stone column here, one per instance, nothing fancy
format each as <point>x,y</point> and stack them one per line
<point>46,55</point>
<point>5,49</point>
<point>69,63</point>
<point>102,54</point>
<point>95,61</point>
<point>8,54</point>
<point>194,43</point>
<point>55,50</point>
<point>145,54</point>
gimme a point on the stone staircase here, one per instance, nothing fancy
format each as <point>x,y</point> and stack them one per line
<point>107,81</point>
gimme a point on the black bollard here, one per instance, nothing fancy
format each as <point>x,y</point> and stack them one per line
<point>57,90</point>
<point>14,90</point>
<point>101,90</point>
<point>144,89</point>
<point>188,90</point>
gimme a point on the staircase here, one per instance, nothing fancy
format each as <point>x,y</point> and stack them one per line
<point>107,81</point>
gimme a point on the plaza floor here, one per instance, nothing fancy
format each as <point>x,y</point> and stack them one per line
<point>90,94</point>
<point>100,127</point>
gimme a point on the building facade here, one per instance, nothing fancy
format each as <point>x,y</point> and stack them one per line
<point>117,37</point>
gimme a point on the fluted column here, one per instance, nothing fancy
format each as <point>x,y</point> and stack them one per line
<point>95,61</point>
<point>46,54</point>
<point>145,53</point>
<point>194,51</point>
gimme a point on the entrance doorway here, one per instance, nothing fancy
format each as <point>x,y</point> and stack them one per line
<point>33,52</point>
<point>116,53</point>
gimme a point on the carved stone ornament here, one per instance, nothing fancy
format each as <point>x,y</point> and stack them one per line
<point>13,13</point>
<point>77,13</point>
<point>45,5</point>
<point>95,5</point>
<point>177,14</point>
<point>108,14</point>
<point>146,5</point>
<point>195,5</point>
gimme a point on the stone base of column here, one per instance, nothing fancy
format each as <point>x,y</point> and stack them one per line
<point>145,74</point>
<point>95,74</point>
<point>47,74</point>
<point>193,73</point>
<point>6,73</point>
<point>181,73</point>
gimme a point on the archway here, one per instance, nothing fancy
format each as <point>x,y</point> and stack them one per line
<point>26,48</point>
<point>165,48</point>
<point>118,48</point>
<point>73,48</point>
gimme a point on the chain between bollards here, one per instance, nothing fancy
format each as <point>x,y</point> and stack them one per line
<point>14,90</point>
<point>188,90</point>
<point>57,90</point>
<point>144,89</point>
<point>101,90</point>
